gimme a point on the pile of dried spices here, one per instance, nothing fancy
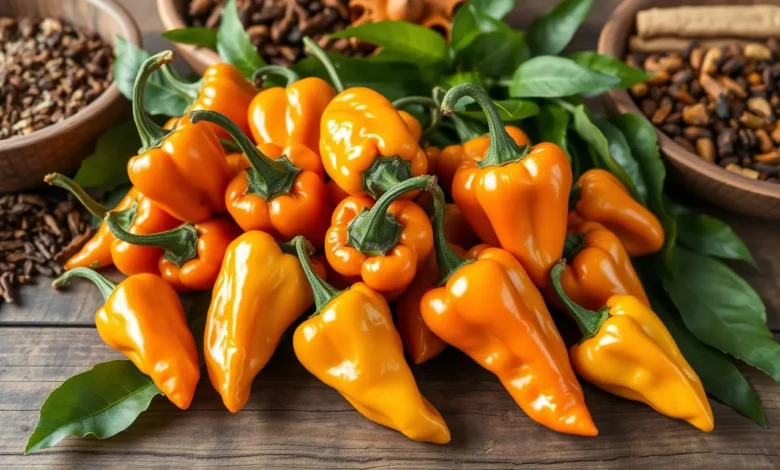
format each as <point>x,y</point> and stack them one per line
<point>49,70</point>
<point>277,27</point>
<point>722,103</point>
<point>38,233</point>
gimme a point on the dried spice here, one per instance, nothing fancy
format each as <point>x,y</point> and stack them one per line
<point>728,98</point>
<point>277,27</point>
<point>49,70</point>
<point>38,232</point>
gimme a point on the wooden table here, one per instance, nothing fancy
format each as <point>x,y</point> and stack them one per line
<point>294,421</point>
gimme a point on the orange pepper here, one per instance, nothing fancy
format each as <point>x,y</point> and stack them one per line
<point>384,242</point>
<point>599,196</point>
<point>143,319</point>
<point>489,308</point>
<point>516,197</point>
<point>291,114</point>
<point>135,213</point>
<point>456,229</point>
<point>350,344</point>
<point>335,193</point>
<point>190,160</point>
<point>278,196</point>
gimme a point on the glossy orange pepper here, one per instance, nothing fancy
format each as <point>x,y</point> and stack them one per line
<point>384,242</point>
<point>291,114</point>
<point>516,197</point>
<point>223,89</point>
<point>597,268</point>
<point>185,171</point>
<point>489,308</point>
<point>276,195</point>
<point>261,290</point>
<point>136,214</point>
<point>350,344</point>
<point>599,196</point>
<point>143,319</point>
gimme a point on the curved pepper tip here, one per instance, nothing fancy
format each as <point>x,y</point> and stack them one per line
<point>704,422</point>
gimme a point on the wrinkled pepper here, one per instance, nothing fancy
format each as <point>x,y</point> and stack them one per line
<point>277,196</point>
<point>488,308</point>
<point>599,196</point>
<point>184,171</point>
<point>261,290</point>
<point>517,196</point>
<point>291,114</point>
<point>143,319</point>
<point>190,254</point>
<point>135,213</point>
<point>223,89</point>
<point>597,268</point>
<point>351,345</point>
<point>383,242</point>
<point>627,351</point>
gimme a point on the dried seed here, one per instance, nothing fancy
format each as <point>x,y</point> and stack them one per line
<point>639,90</point>
<point>711,59</point>
<point>750,173</point>
<point>683,76</point>
<point>671,129</point>
<point>659,78</point>
<point>726,140</point>
<point>734,168</point>
<point>757,51</point>
<point>711,86</point>
<point>706,149</point>
<point>695,132</point>
<point>751,120</point>
<point>696,58</point>
<point>696,115</point>
<point>759,106</point>
<point>771,158</point>
<point>649,107</point>
<point>733,86</point>
<point>764,141</point>
<point>662,112</point>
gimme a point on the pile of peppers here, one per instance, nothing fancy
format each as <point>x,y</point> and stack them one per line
<point>334,204</point>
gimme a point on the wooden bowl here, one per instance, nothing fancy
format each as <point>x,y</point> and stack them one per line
<point>25,160</point>
<point>172,15</point>
<point>706,180</point>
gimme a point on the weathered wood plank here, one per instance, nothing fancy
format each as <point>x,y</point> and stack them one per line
<point>292,420</point>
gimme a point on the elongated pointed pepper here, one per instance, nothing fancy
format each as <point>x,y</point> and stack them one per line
<point>599,196</point>
<point>291,114</point>
<point>627,351</point>
<point>183,171</point>
<point>517,196</point>
<point>261,290</point>
<point>277,195</point>
<point>223,89</point>
<point>189,255</point>
<point>384,242</point>
<point>143,319</point>
<point>135,214</point>
<point>597,268</point>
<point>350,344</point>
<point>488,308</point>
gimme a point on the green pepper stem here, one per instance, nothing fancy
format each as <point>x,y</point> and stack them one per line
<point>150,133</point>
<point>588,321</point>
<point>287,73</point>
<point>502,149</point>
<point>446,258</point>
<point>573,244</point>
<point>268,178</point>
<point>62,181</point>
<point>385,173</point>
<point>104,285</point>
<point>191,90</point>
<point>375,232</point>
<point>312,48</point>
<point>427,102</point>
<point>323,292</point>
<point>180,244</point>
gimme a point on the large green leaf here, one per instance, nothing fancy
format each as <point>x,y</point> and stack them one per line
<point>100,402</point>
<point>414,42</point>
<point>106,167</point>
<point>204,37</point>
<point>550,77</point>
<point>497,9</point>
<point>469,22</point>
<point>508,110</point>
<point>722,310</point>
<point>621,153</point>
<point>609,65</point>
<point>233,42</point>
<point>551,32</point>
<point>495,54</point>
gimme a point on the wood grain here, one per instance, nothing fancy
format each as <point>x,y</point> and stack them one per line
<point>293,420</point>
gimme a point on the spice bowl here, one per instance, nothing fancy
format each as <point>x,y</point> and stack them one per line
<point>702,178</point>
<point>172,13</point>
<point>60,147</point>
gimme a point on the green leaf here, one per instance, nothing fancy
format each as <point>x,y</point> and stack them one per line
<point>551,125</point>
<point>609,65</point>
<point>233,42</point>
<point>463,77</point>
<point>159,97</point>
<point>416,43</point>
<point>495,54</point>
<point>550,77</point>
<point>709,236</point>
<point>100,402</point>
<point>496,9</point>
<point>469,22</point>
<point>509,110</point>
<point>551,32</point>
<point>204,37</point>
<point>106,167</point>
<point>643,140</point>
<point>722,310</point>
<point>621,153</point>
